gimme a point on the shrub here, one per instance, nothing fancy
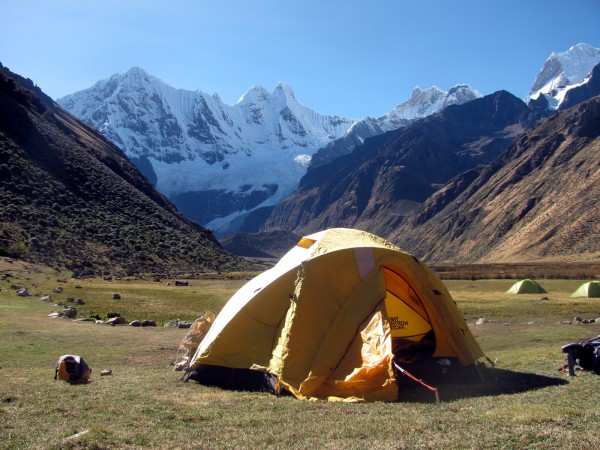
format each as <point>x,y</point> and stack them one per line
<point>17,250</point>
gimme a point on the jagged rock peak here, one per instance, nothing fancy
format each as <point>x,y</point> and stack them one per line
<point>258,94</point>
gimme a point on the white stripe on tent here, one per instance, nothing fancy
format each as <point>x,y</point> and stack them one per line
<point>365,260</point>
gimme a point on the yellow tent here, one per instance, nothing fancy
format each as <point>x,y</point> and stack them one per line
<point>331,318</point>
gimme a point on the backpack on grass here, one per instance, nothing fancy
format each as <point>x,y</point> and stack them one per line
<point>72,369</point>
<point>585,354</point>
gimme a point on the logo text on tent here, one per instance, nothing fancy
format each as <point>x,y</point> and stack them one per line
<point>397,324</point>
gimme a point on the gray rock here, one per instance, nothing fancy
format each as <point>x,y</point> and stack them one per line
<point>68,312</point>
<point>116,321</point>
<point>46,298</point>
<point>105,372</point>
<point>135,323</point>
<point>23,292</point>
<point>57,290</point>
<point>148,323</point>
<point>78,301</point>
<point>84,319</point>
<point>577,319</point>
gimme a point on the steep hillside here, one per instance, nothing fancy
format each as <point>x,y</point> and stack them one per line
<point>538,202</point>
<point>386,179</point>
<point>69,198</point>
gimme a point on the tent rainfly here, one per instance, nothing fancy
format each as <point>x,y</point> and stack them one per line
<point>340,317</point>
<point>526,286</point>
<point>588,289</point>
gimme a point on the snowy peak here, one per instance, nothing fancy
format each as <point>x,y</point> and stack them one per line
<point>423,103</point>
<point>260,95</point>
<point>562,71</point>
<point>256,94</point>
<point>460,94</point>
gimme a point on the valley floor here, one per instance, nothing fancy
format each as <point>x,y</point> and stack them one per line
<point>142,404</point>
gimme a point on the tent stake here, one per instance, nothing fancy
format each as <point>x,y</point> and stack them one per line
<point>421,382</point>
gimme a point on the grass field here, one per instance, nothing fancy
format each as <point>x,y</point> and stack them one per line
<point>529,405</point>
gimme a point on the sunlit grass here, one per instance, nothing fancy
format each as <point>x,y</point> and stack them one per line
<point>143,404</point>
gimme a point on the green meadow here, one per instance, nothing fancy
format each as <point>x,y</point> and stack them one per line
<point>526,402</point>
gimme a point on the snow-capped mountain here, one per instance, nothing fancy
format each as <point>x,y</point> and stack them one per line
<point>564,71</point>
<point>422,103</point>
<point>215,161</point>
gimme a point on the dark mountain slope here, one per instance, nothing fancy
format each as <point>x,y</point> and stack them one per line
<point>388,177</point>
<point>69,198</point>
<point>537,202</point>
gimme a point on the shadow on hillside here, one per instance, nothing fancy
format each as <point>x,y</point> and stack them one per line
<point>498,382</point>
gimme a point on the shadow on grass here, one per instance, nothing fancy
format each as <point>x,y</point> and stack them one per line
<point>498,382</point>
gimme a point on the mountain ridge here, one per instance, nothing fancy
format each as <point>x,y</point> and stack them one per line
<point>534,203</point>
<point>396,171</point>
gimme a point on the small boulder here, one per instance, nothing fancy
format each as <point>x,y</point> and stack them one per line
<point>116,321</point>
<point>70,300</point>
<point>68,312</point>
<point>184,325</point>
<point>116,296</point>
<point>135,323</point>
<point>23,292</point>
<point>480,321</point>
<point>577,319</point>
<point>45,298</point>
<point>57,290</point>
<point>106,372</point>
<point>148,323</point>
<point>78,301</point>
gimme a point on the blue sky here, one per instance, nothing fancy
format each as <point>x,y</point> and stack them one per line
<point>346,57</point>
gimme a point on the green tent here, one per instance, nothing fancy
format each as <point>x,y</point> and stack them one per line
<point>588,289</point>
<point>526,286</point>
